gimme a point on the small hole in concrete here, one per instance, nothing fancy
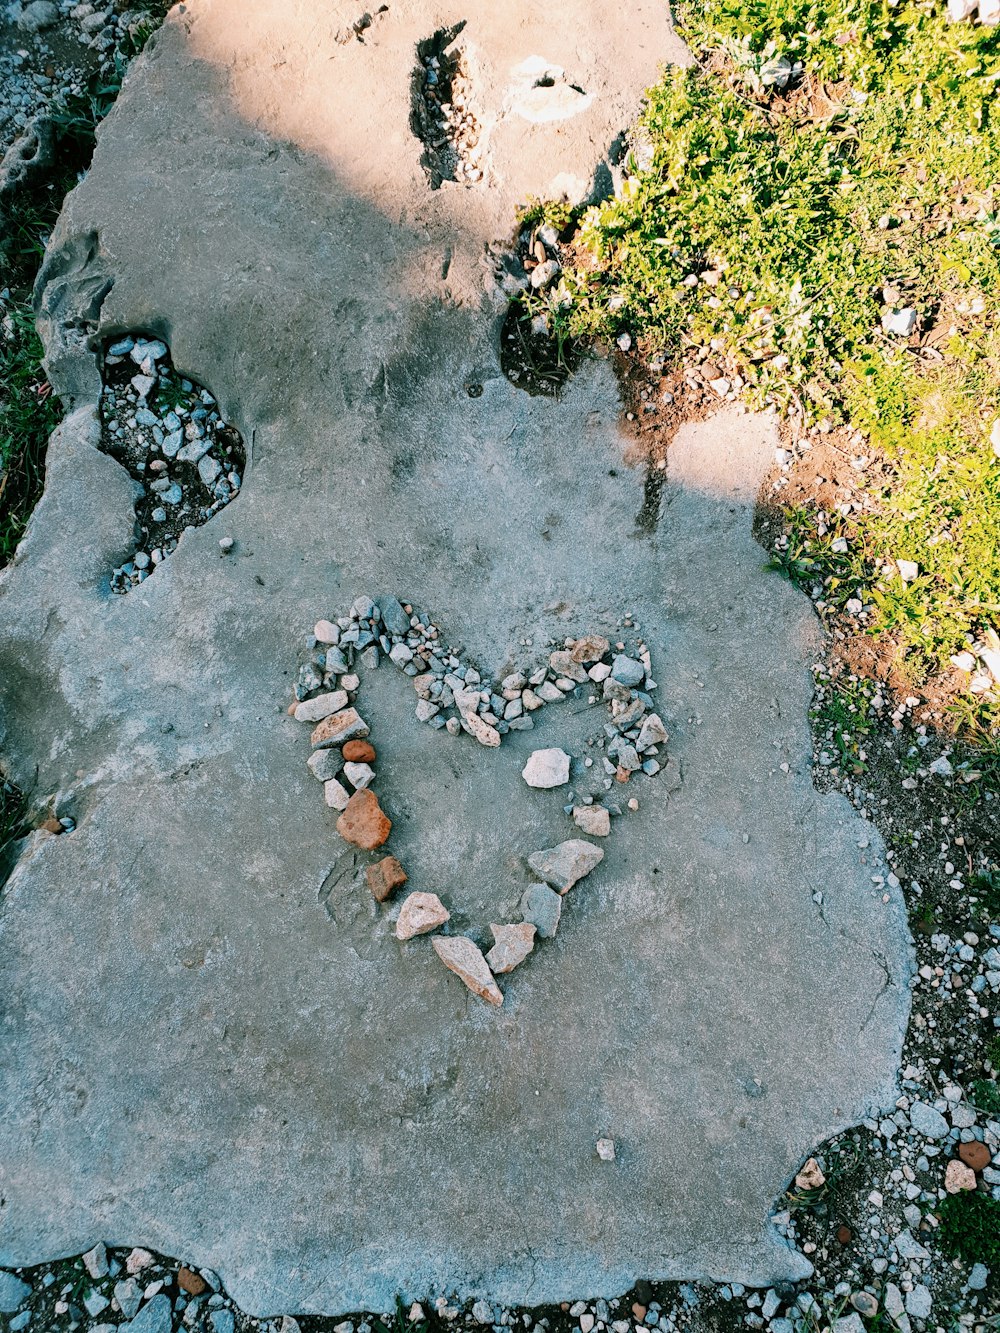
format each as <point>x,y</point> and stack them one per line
<point>442,117</point>
<point>167,432</point>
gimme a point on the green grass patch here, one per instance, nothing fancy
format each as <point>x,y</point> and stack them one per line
<point>828,162</point>
<point>986,1096</point>
<point>970,1229</point>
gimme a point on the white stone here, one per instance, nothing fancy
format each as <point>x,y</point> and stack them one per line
<point>96,1261</point>
<point>545,273</point>
<point>420,913</point>
<point>513,944</point>
<point>652,732</point>
<point>335,794</point>
<point>908,570</point>
<point>593,820</point>
<point>137,1260</point>
<point>324,631</point>
<point>567,864</point>
<point>315,710</point>
<point>606,1150</point>
<point>900,322</point>
<point>546,768</point>
<point>359,776</point>
<point>462,957</point>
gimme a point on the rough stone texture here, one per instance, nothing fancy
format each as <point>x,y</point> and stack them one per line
<point>384,877</point>
<point>593,820</point>
<point>13,1292</point>
<point>420,913</point>
<point>336,794</point>
<point>279,1092</point>
<point>513,944</point>
<point>341,727</point>
<point>546,768</point>
<point>542,908</point>
<point>461,956</point>
<point>315,710</point>
<point>568,863</point>
<point>364,823</point>
<point>959,1177</point>
<point>359,752</point>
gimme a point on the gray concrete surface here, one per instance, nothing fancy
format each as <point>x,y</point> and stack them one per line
<point>192,1055</point>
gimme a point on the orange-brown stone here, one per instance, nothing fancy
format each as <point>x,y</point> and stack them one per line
<point>975,1154</point>
<point>364,823</point>
<point>384,877</point>
<point>193,1283</point>
<point>359,752</point>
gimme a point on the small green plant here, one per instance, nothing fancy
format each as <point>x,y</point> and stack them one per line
<point>13,820</point>
<point>28,414</point>
<point>986,887</point>
<point>923,919</point>
<point>840,714</point>
<point>970,1228</point>
<point>986,1096</point>
<point>555,213</point>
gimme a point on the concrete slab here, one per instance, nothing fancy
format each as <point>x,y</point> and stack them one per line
<point>194,1057</point>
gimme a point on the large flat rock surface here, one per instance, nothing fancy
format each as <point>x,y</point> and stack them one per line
<point>193,1055</point>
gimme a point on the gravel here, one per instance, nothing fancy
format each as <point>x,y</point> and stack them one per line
<point>168,432</point>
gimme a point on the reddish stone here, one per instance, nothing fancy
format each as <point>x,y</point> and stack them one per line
<point>975,1154</point>
<point>384,877</point>
<point>845,1235</point>
<point>193,1283</point>
<point>359,752</point>
<point>51,826</point>
<point>363,823</point>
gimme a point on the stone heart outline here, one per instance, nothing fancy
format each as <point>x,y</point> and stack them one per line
<point>444,682</point>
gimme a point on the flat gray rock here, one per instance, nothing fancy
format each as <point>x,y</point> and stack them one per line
<point>13,1292</point>
<point>211,1044</point>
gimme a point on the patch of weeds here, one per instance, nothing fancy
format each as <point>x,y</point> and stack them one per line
<point>28,409</point>
<point>986,1096</point>
<point>28,414</point>
<point>825,164</point>
<point>13,813</point>
<point>970,1228</point>
<point>986,887</point>
<point>556,213</point>
<point>922,919</point>
<point>840,715</point>
<point>537,352</point>
<point>13,823</point>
